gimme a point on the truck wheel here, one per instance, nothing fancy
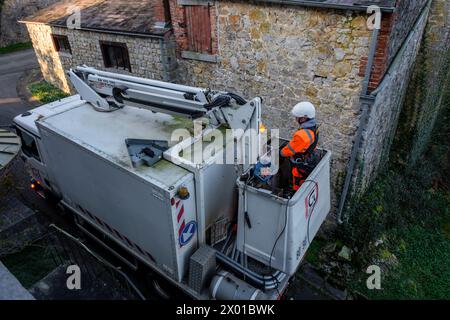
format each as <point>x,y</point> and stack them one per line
<point>156,285</point>
<point>159,290</point>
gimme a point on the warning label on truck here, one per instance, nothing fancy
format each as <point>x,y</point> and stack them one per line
<point>188,233</point>
<point>311,201</point>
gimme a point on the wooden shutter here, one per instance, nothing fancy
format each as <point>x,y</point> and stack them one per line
<point>198,22</point>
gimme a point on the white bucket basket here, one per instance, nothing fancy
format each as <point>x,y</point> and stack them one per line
<point>281,229</point>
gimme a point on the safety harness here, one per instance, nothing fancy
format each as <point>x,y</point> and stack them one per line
<point>301,158</point>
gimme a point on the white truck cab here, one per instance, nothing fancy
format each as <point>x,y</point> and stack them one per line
<point>33,151</point>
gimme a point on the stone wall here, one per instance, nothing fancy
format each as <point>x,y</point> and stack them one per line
<point>384,114</point>
<point>145,53</point>
<point>286,54</point>
<point>406,15</point>
<point>424,103</point>
<point>13,10</point>
<point>395,27</point>
<point>51,63</point>
<point>381,54</point>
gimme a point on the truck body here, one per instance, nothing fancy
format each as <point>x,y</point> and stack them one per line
<point>172,213</point>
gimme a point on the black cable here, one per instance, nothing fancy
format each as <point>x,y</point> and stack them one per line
<point>309,218</point>
<point>224,100</point>
<point>275,244</point>
<point>249,178</point>
<point>239,100</point>
<point>284,229</point>
<point>220,101</point>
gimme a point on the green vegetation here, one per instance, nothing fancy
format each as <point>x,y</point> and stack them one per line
<point>314,250</point>
<point>45,92</point>
<point>402,224</point>
<point>16,47</point>
<point>31,264</point>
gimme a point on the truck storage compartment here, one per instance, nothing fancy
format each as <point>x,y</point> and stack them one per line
<point>279,230</point>
<point>139,208</point>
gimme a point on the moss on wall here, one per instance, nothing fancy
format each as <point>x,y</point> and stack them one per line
<point>380,129</point>
<point>1,6</point>
<point>402,224</point>
<point>424,101</point>
<point>403,218</point>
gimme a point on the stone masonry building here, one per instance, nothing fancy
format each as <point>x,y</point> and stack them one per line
<point>283,51</point>
<point>116,30</point>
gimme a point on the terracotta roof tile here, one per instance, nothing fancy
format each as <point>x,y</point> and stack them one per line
<point>132,16</point>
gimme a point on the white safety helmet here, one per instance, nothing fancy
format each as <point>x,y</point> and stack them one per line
<point>304,109</point>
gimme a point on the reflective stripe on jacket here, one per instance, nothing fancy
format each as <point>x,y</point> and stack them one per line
<point>300,143</point>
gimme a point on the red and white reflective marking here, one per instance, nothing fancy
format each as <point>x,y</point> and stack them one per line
<point>180,206</point>
<point>311,200</point>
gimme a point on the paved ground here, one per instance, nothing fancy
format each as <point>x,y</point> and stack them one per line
<point>9,146</point>
<point>10,288</point>
<point>12,67</point>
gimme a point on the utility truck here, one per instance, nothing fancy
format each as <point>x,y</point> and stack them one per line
<point>151,171</point>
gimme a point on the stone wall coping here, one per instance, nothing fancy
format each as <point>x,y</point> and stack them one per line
<point>385,5</point>
<point>65,54</point>
<point>200,56</point>
<point>196,2</point>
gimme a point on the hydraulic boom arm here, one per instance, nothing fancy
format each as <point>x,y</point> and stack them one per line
<point>108,92</point>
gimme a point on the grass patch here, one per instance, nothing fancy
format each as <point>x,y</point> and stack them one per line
<point>45,92</point>
<point>409,214</point>
<point>422,272</point>
<point>314,250</point>
<point>31,264</point>
<point>402,224</point>
<point>16,47</point>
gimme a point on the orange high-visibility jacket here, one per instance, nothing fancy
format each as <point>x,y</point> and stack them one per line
<point>300,143</point>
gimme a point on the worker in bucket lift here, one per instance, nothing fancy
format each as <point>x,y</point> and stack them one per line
<point>302,147</point>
